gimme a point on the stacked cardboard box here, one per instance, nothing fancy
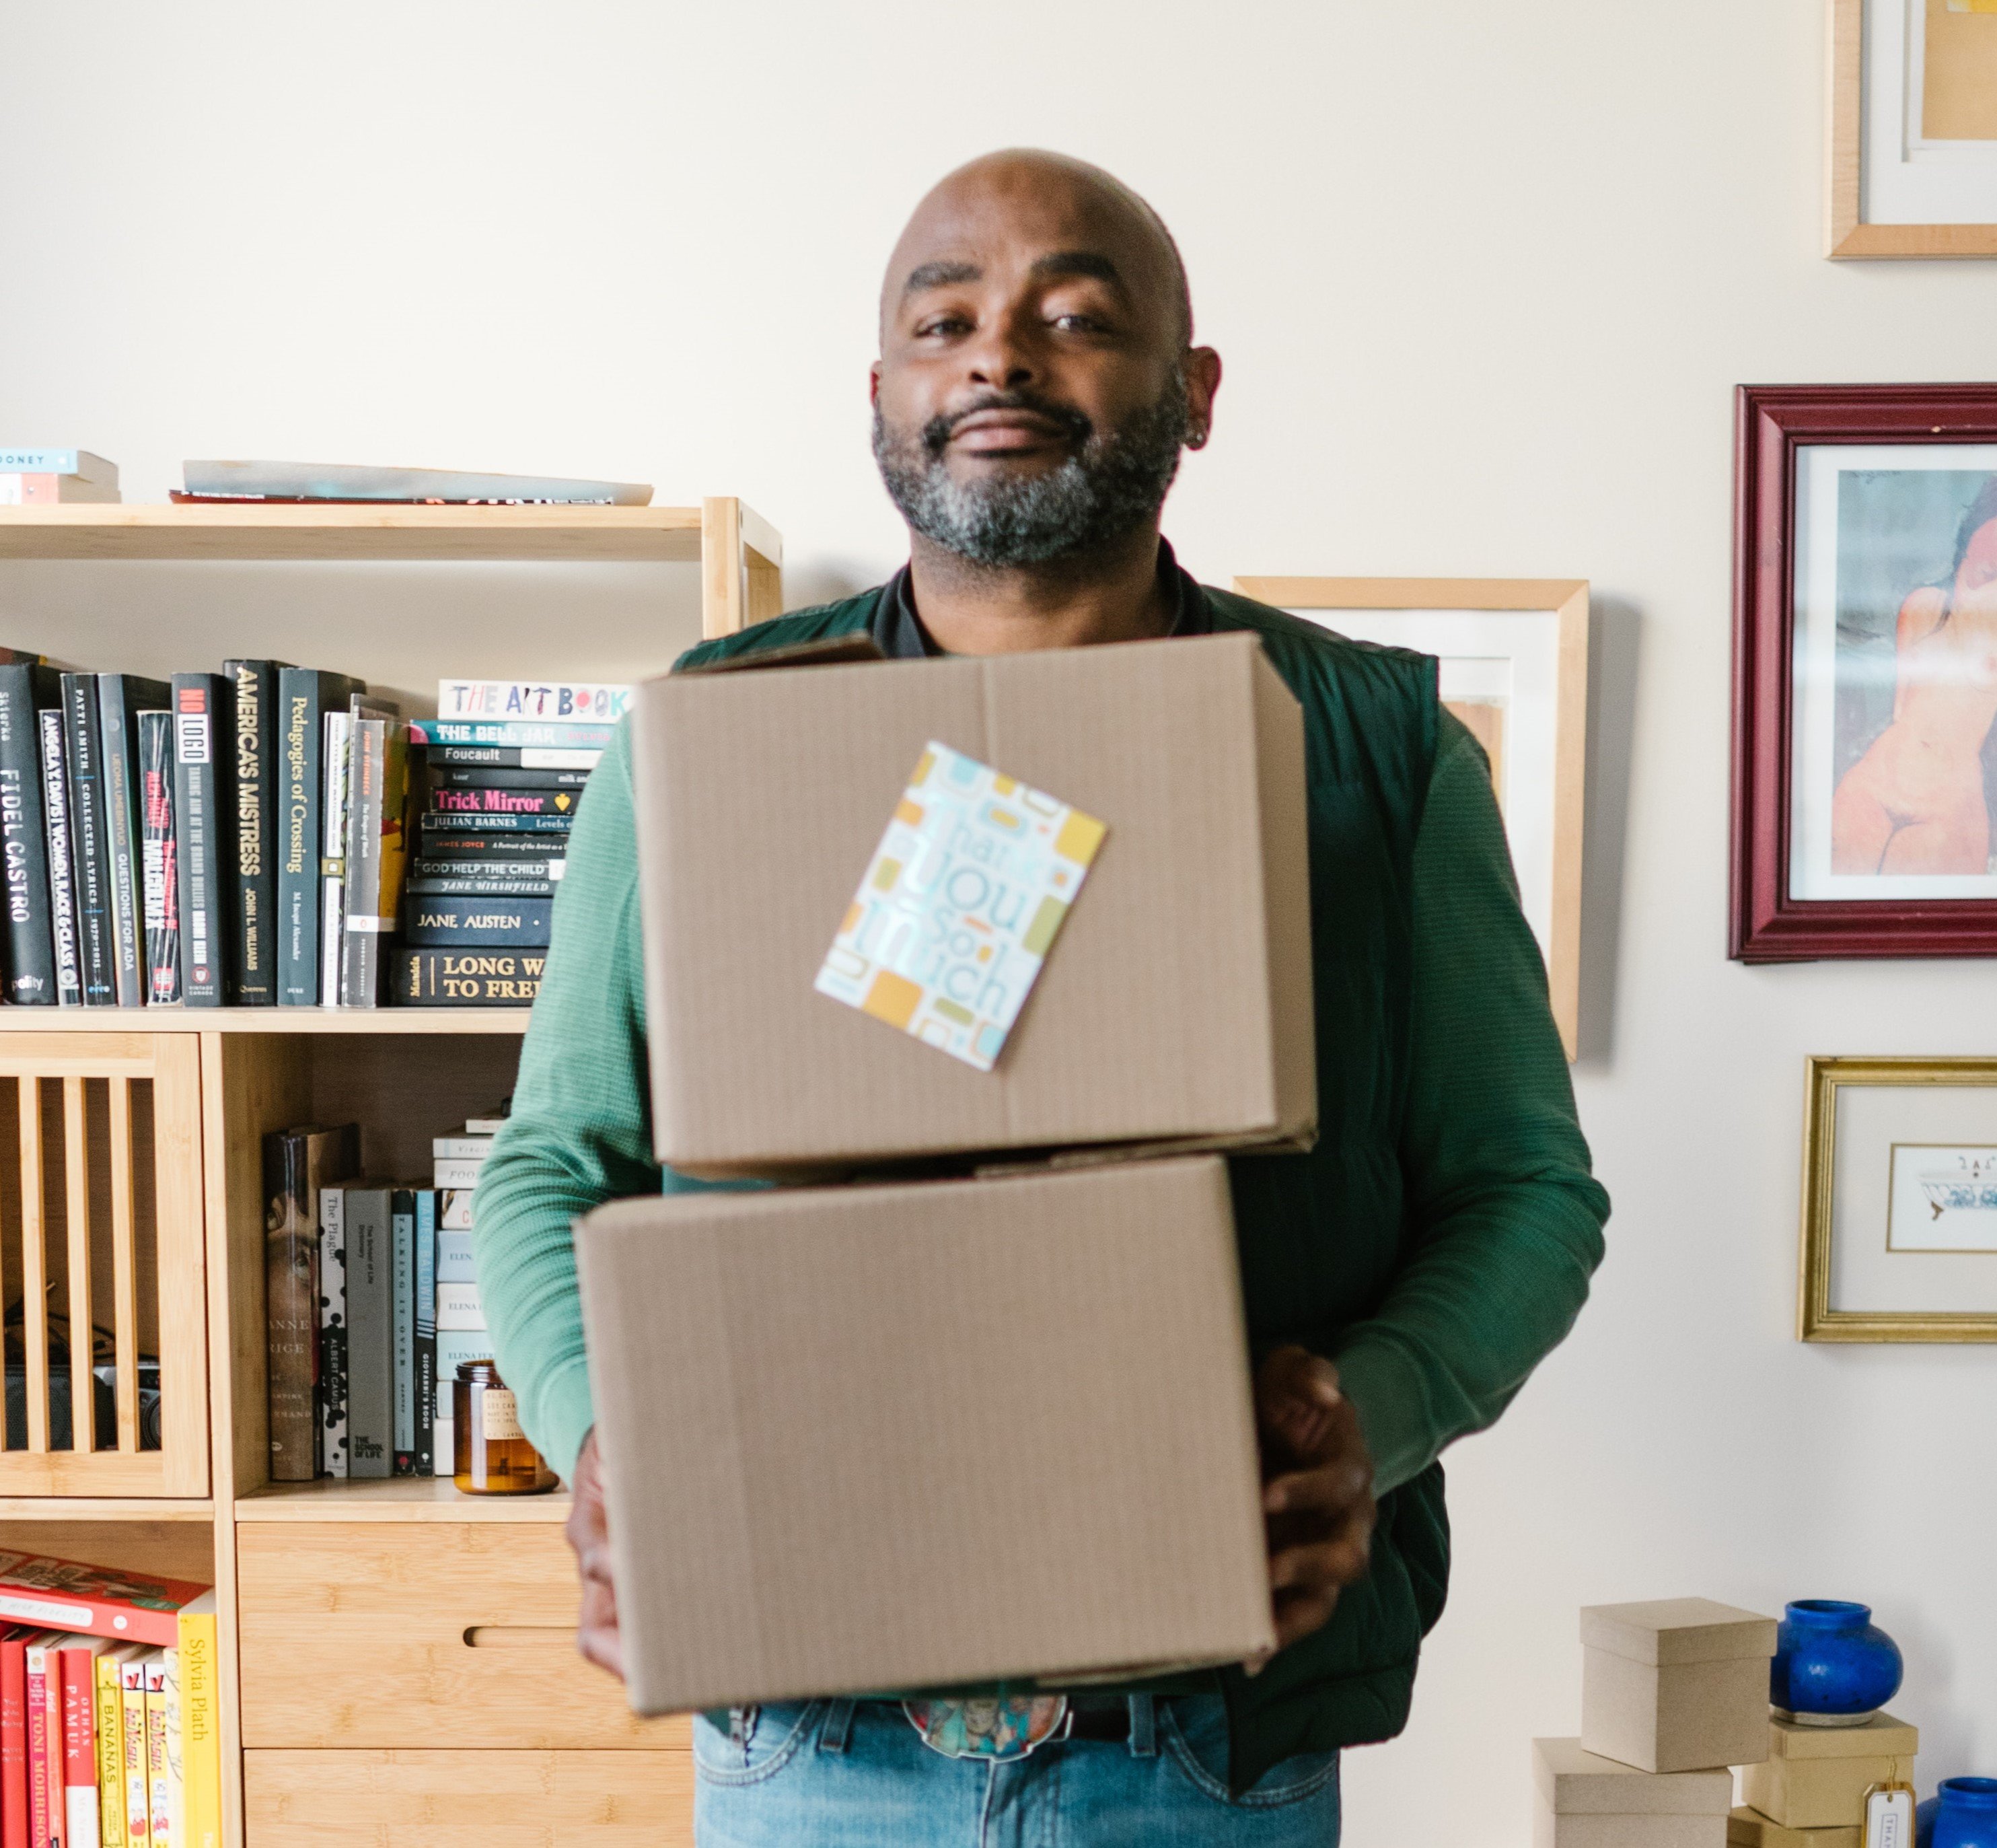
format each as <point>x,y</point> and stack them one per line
<point>992,1422</point>
<point>1673,1693</point>
<point>1809,1791</point>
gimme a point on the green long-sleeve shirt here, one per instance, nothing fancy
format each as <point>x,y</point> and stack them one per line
<point>1497,1179</point>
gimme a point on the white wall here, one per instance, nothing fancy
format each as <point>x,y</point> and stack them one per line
<point>1484,277</point>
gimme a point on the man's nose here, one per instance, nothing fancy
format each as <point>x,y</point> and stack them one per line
<point>1000,358</point>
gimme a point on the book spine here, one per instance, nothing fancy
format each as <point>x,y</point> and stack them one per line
<point>138,1787</point>
<point>466,978</point>
<point>291,1297</point>
<point>511,735</point>
<point>535,702</point>
<point>370,1335</point>
<point>512,868</point>
<point>196,710</point>
<point>333,1328</point>
<point>299,778</point>
<point>110,1754</point>
<point>14,1825</point>
<point>62,885</point>
<point>507,924</point>
<point>159,1790</point>
<point>473,758</point>
<point>464,779</point>
<point>201,1735</point>
<point>451,800</point>
<point>24,842</point>
<point>427,1354</point>
<point>339,739</point>
<point>90,861</point>
<point>539,849</point>
<point>433,887</point>
<point>159,854</point>
<point>43,1827</point>
<point>402,1233</point>
<point>435,824</point>
<point>79,1741</point>
<point>115,718</point>
<point>454,1213</point>
<point>252,886</point>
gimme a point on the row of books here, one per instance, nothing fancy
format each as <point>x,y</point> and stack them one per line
<point>245,837</point>
<point>372,1302</point>
<point>110,1732</point>
<point>35,477</point>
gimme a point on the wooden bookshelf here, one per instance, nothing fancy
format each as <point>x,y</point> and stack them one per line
<point>412,1605</point>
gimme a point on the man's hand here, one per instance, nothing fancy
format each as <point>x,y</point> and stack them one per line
<point>588,1532</point>
<point>1317,1489</point>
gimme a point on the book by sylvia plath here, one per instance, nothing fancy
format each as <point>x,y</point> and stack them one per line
<point>159,855</point>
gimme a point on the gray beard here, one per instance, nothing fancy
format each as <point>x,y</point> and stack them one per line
<point>1109,486</point>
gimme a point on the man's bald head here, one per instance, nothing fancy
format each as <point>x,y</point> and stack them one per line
<point>1038,186</point>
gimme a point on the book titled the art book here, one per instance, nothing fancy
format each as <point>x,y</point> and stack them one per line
<point>559,701</point>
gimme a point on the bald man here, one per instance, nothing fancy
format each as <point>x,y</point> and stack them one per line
<point>1036,387</point>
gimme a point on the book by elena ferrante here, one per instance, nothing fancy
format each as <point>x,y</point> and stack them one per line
<point>200,706</point>
<point>62,885</point>
<point>120,698</point>
<point>299,1164</point>
<point>90,853</point>
<point>305,696</point>
<point>449,800</point>
<point>511,735</point>
<point>419,978</point>
<point>93,1601</point>
<point>252,888</point>
<point>468,923</point>
<point>27,689</point>
<point>159,858</point>
<point>533,702</point>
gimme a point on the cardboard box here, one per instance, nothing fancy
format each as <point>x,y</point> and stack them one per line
<point>1678,1685</point>
<point>1816,1777</point>
<point>1747,1828</point>
<point>1585,1800</point>
<point>1174,1004</point>
<point>871,1438</point>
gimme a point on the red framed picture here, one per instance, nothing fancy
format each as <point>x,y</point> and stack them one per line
<point>1864,672</point>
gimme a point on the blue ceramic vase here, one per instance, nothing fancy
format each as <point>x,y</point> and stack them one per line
<point>1834,1666</point>
<point>1962,1815</point>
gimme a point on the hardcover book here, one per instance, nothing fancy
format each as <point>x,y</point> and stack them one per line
<point>511,866</point>
<point>62,887</point>
<point>13,1739</point>
<point>94,1600</point>
<point>402,1235</point>
<point>456,823</point>
<point>533,702</point>
<point>466,978</point>
<point>120,699</point>
<point>475,887</point>
<point>79,1739</point>
<point>451,800</point>
<point>476,776</point>
<point>332,856</point>
<point>253,887</point>
<point>377,810</point>
<point>513,756</point>
<point>332,1329</point>
<point>201,1726</point>
<point>26,691</point>
<point>426,1331</point>
<point>298,1165</point>
<point>511,734</point>
<point>159,1755</point>
<point>477,922</point>
<point>90,853</point>
<point>159,858</point>
<point>201,711</point>
<point>305,697</point>
<point>434,844</point>
<point>371,1347</point>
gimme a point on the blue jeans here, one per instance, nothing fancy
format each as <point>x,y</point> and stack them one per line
<point>847,1775</point>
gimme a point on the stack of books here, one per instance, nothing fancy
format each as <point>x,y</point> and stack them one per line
<point>110,1732</point>
<point>373,1302</point>
<point>508,761</point>
<point>44,478</point>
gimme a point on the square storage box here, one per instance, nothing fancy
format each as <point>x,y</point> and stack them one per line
<point>1681,1684</point>
<point>1583,1801</point>
<point>1816,1777</point>
<point>1747,1828</point>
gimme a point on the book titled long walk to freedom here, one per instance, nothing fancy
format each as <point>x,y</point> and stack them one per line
<point>253,889</point>
<point>370,1345</point>
<point>159,856</point>
<point>120,699</point>
<point>200,708</point>
<point>90,855</point>
<point>26,691</point>
<point>305,697</point>
<point>62,884</point>
<point>466,978</point>
<point>297,1164</point>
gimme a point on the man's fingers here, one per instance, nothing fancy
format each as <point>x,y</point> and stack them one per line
<point>1326,1491</point>
<point>1325,1563</point>
<point>1297,1616</point>
<point>603,1647</point>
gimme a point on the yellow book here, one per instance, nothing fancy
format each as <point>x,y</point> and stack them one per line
<point>159,1785</point>
<point>110,1754</point>
<point>138,1785</point>
<point>201,1728</point>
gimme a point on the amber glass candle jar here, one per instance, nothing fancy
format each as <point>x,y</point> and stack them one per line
<point>490,1453</point>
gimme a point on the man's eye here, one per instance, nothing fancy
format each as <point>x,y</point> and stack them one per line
<point>1079,323</point>
<point>946,324</point>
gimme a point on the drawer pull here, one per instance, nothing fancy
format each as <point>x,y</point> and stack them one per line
<point>520,1635</point>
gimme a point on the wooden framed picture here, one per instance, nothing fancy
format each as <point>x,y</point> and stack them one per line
<point>1912,166</point>
<point>1514,669</point>
<point>1899,1220</point>
<point>1865,673</point>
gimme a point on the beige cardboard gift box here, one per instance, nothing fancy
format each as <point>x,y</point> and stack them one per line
<point>1174,1004</point>
<point>1585,1800</point>
<point>873,1438</point>
<point>1680,1684</point>
<point>1816,1777</point>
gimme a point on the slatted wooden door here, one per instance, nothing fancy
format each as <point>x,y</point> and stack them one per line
<point>101,1265</point>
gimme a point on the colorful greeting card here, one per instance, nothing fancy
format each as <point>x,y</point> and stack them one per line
<point>960,905</point>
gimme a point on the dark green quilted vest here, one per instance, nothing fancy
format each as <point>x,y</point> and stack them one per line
<point>1320,1234</point>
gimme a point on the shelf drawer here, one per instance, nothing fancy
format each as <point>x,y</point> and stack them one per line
<point>467,1799</point>
<point>456,1633</point>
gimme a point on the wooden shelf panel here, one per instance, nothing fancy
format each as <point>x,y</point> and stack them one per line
<point>263,1020</point>
<point>103,1508</point>
<point>405,1498</point>
<point>670,535</point>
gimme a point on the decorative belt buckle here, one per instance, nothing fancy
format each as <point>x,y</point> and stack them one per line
<point>999,1728</point>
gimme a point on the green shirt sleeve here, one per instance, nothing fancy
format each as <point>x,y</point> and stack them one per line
<point>1504,1218</point>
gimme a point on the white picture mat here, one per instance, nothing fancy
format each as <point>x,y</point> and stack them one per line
<point>1814,671</point>
<point>1484,653</point>
<point>1866,1277</point>
<point>1903,178</point>
<point>1923,1215</point>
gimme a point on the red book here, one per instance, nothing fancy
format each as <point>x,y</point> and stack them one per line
<point>14,1742</point>
<point>44,1823</point>
<point>93,1601</point>
<point>79,1743</point>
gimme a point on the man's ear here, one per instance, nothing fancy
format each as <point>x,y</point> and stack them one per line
<point>874,383</point>
<point>1201,368</point>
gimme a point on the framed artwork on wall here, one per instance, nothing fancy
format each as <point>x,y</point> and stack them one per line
<point>1864,673</point>
<point>1514,669</point>
<point>1912,129</point>
<point>1900,1220</point>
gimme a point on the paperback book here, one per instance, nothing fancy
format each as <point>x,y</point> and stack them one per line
<point>159,858</point>
<point>27,690</point>
<point>62,889</point>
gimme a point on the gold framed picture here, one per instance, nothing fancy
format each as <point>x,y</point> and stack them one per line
<point>1514,656</point>
<point>1911,145</point>
<point>1899,1218</point>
